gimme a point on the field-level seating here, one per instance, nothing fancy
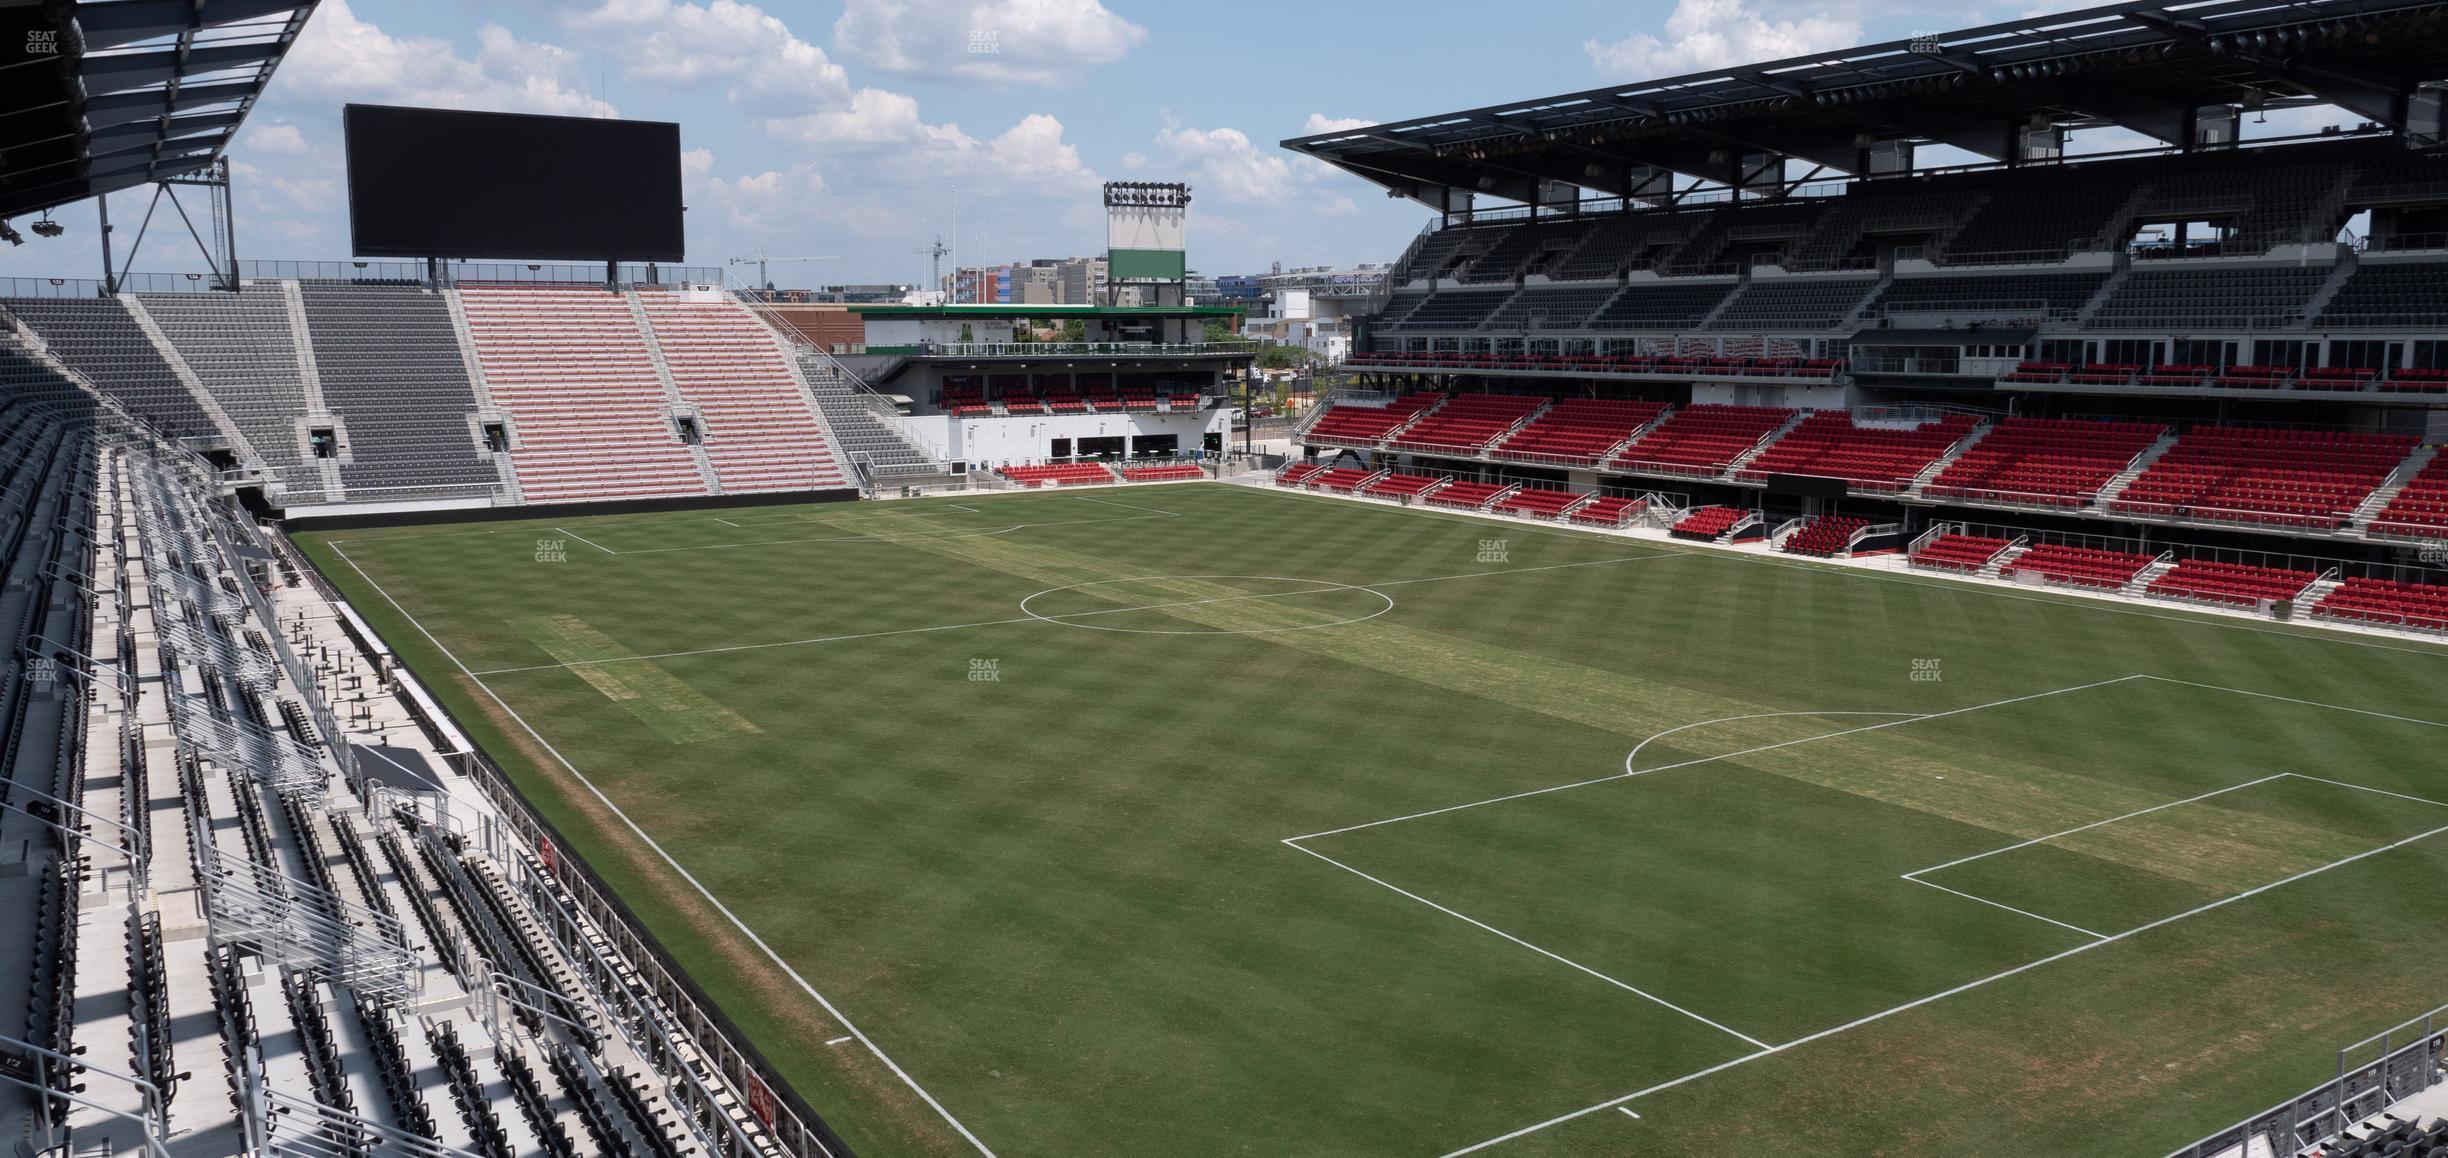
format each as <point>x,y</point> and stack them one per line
<point>2292,478</point>
<point>1468,496</point>
<point>1829,444</point>
<point>1466,423</point>
<point>2421,509</point>
<point>1706,523</point>
<point>2389,602</point>
<point>1609,511</point>
<point>1579,430</point>
<point>1539,502</point>
<point>2243,584</point>
<point>1342,480</point>
<point>1068,474</point>
<point>1404,486</point>
<point>1824,537</point>
<point>1702,439</point>
<point>1956,551</point>
<point>2044,461</point>
<point>1170,472</point>
<point>573,369</point>
<point>1294,474</point>
<point>2080,566</point>
<point>760,425</point>
<point>1348,423</point>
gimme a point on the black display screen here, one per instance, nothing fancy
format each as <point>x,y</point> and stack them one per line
<point>439,183</point>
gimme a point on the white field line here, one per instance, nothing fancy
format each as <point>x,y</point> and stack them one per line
<point>1041,618</point>
<point>589,542</point>
<point>1628,1112</point>
<point>2094,824</point>
<point>1626,987</point>
<point>750,646</point>
<point>729,523</point>
<point>1916,1003</point>
<point>1634,754</point>
<point>2305,703</point>
<point>2008,908</point>
<point>2369,788</point>
<point>1915,875</point>
<point>1910,719</point>
<point>830,1009</point>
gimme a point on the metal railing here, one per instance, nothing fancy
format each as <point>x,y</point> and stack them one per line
<point>2359,1091</point>
<point>722,1047</point>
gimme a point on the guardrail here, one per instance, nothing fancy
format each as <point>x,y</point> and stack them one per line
<point>2359,1091</point>
<point>794,1126</point>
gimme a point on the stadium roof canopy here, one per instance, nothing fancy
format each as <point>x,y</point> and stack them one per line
<point>102,95</point>
<point>2150,68</point>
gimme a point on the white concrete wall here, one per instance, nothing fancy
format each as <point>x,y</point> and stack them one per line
<point>995,441</point>
<point>1771,394</point>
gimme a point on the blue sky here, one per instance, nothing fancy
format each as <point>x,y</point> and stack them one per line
<point>859,129</point>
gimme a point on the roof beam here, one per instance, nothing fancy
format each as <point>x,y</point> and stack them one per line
<point>127,22</point>
<point>120,108</point>
<point>2366,94</point>
<point>164,129</point>
<point>130,70</point>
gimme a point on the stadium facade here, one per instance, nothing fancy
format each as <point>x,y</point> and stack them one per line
<point>1740,295</point>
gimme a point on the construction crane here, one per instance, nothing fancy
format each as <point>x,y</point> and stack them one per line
<point>760,261</point>
<point>934,254</point>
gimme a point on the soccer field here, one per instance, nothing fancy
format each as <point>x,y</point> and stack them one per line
<point>1209,819</point>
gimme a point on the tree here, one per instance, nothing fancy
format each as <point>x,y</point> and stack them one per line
<point>1285,357</point>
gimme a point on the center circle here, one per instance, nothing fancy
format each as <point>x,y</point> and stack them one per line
<point>1032,608</point>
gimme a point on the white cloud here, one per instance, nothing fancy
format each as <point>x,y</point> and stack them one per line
<point>311,192</point>
<point>342,56</point>
<point>1014,41</point>
<point>668,42</point>
<point>1321,123</point>
<point>278,138</point>
<point>764,201</point>
<point>1033,153</point>
<point>1224,161</point>
<point>1226,164</point>
<point>872,116</point>
<point>1706,34</point>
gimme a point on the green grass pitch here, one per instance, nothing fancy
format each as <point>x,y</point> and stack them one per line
<point>1208,819</point>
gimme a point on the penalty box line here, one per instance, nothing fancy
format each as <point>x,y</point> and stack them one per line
<point>1915,875</point>
<point>1966,987</point>
<point>1295,843</point>
<point>1906,718</point>
<point>2107,939</point>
